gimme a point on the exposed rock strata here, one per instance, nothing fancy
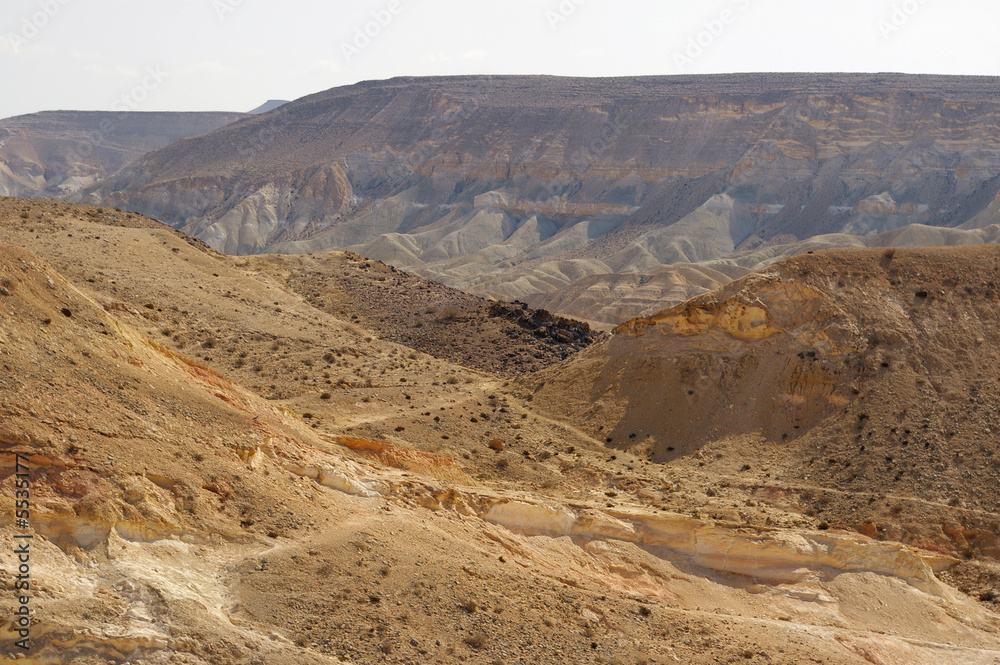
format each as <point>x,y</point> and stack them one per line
<point>520,187</point>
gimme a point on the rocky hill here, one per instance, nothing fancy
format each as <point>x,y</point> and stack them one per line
<point>853,384</point>
<point>225,469</point>
<point>58,153</point>
<point>561,190</point>
<point>505,339</point>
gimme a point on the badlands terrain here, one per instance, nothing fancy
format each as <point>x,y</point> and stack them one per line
<point>267,459</point>
<point>58,153</point>
<point>601,199</point>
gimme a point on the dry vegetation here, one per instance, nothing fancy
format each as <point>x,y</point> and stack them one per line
<point>229,470</point>
<point>503,339</point>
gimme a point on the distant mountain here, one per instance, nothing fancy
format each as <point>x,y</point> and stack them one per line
<point>269,105</point>
<point>57,153</point>
<point>528,186</point>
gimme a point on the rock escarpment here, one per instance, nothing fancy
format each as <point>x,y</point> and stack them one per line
<point>58,153</point>
<point>521,187</point>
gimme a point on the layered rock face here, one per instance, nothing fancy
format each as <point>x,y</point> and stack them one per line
<point>859,375</point>
<point>526,186</point>
<point>58,153</point>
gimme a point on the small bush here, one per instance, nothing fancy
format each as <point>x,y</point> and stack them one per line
<point>449,314</point>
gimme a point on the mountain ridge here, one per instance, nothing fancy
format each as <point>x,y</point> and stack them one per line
<point>520,186</point>
<point>58,153</point>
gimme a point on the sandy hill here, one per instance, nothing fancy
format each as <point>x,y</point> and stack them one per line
<point>58,153</point>
<point>531,187</point>
<point>853,383</point>
<point>224,470</point>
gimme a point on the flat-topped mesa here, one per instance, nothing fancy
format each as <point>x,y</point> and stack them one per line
<point>519,187</point>
<point>58,153</point>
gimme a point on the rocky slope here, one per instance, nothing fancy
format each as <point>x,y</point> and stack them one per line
<point>526,187</point>
<point>224,473</point>
<point>58,153</point>
<point>852,383</point>
<point>504,339</point>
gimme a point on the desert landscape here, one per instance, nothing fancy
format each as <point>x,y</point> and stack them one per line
<point>506,370</point>
<point>560,191</point>
<point>233,462</point>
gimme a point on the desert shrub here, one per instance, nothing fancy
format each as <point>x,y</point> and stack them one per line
<point>449,314</point>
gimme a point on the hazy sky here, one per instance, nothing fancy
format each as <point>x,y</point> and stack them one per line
<point>232,55</point>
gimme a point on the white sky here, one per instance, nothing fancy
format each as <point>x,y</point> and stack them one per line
<point>235,54</point>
